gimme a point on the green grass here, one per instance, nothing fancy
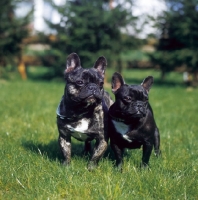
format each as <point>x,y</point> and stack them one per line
<point>30,157</point>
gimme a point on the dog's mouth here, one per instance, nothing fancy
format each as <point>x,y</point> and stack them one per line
<point>137,114</point>
<point>90,100</point>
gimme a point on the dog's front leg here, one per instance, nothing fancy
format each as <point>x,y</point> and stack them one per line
<point>98,151</point>
<point>147,149</point>
<point>118,152</point>
<point>65,146</point>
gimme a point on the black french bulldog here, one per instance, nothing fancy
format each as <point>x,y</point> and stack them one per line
<point>131,120</point>
<point>83,110</point>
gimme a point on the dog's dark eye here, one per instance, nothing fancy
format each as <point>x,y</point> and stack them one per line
<point>127,98</point>
<point>79,82</point>
<point>101,84</point>
<point>145,98</point>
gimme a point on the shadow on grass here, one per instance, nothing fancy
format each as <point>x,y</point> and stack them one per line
<point>52,150</point>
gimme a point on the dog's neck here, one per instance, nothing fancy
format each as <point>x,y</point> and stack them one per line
<point>115,116</point>
<point>67,111</point>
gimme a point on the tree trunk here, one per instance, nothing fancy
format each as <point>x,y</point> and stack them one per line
<point>163,73</point>
<point>195,78</point>
<point>21,68</point>
<point>111,4</point>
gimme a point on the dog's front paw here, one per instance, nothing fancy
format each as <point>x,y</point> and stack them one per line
<point>144,166</point>
<point>158,153</point>
<point>118,166</point>
<point>66,163</point>
<point>91,165</point>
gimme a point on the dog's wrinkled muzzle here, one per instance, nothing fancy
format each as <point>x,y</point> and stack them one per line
<point>90,92</point>
<point>136,110</point>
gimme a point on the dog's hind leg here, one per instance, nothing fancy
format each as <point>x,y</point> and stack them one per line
<point>87,148</point>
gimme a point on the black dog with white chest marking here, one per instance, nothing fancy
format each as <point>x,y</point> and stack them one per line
<point>132,123</point>
<point>83,110</point>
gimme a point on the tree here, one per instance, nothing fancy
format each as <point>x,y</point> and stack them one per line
<point>178,43</point>
<point>13,30</point>
<point>90,28</point>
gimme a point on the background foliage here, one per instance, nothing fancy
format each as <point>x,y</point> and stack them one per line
<point>13,30</point>
<point>178,41</point>
<point>91,29</point>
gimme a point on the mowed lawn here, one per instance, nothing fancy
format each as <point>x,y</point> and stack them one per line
<point>31,161</point>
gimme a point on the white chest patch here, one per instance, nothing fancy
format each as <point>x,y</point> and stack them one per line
<point>80,130</point>
<point>121,127</point>
<point>82,126</point>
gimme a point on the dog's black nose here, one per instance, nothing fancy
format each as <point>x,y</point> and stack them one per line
<point>138,104</point>
<point>92,87</point>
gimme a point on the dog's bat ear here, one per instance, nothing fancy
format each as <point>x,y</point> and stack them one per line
<point>100,65</point>
<point>147,83</point>
<point>116,82</point>
<point>73,61</point>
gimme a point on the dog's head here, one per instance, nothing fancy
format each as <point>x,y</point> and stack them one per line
<point>84,87</point>
<point>131,101</point>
